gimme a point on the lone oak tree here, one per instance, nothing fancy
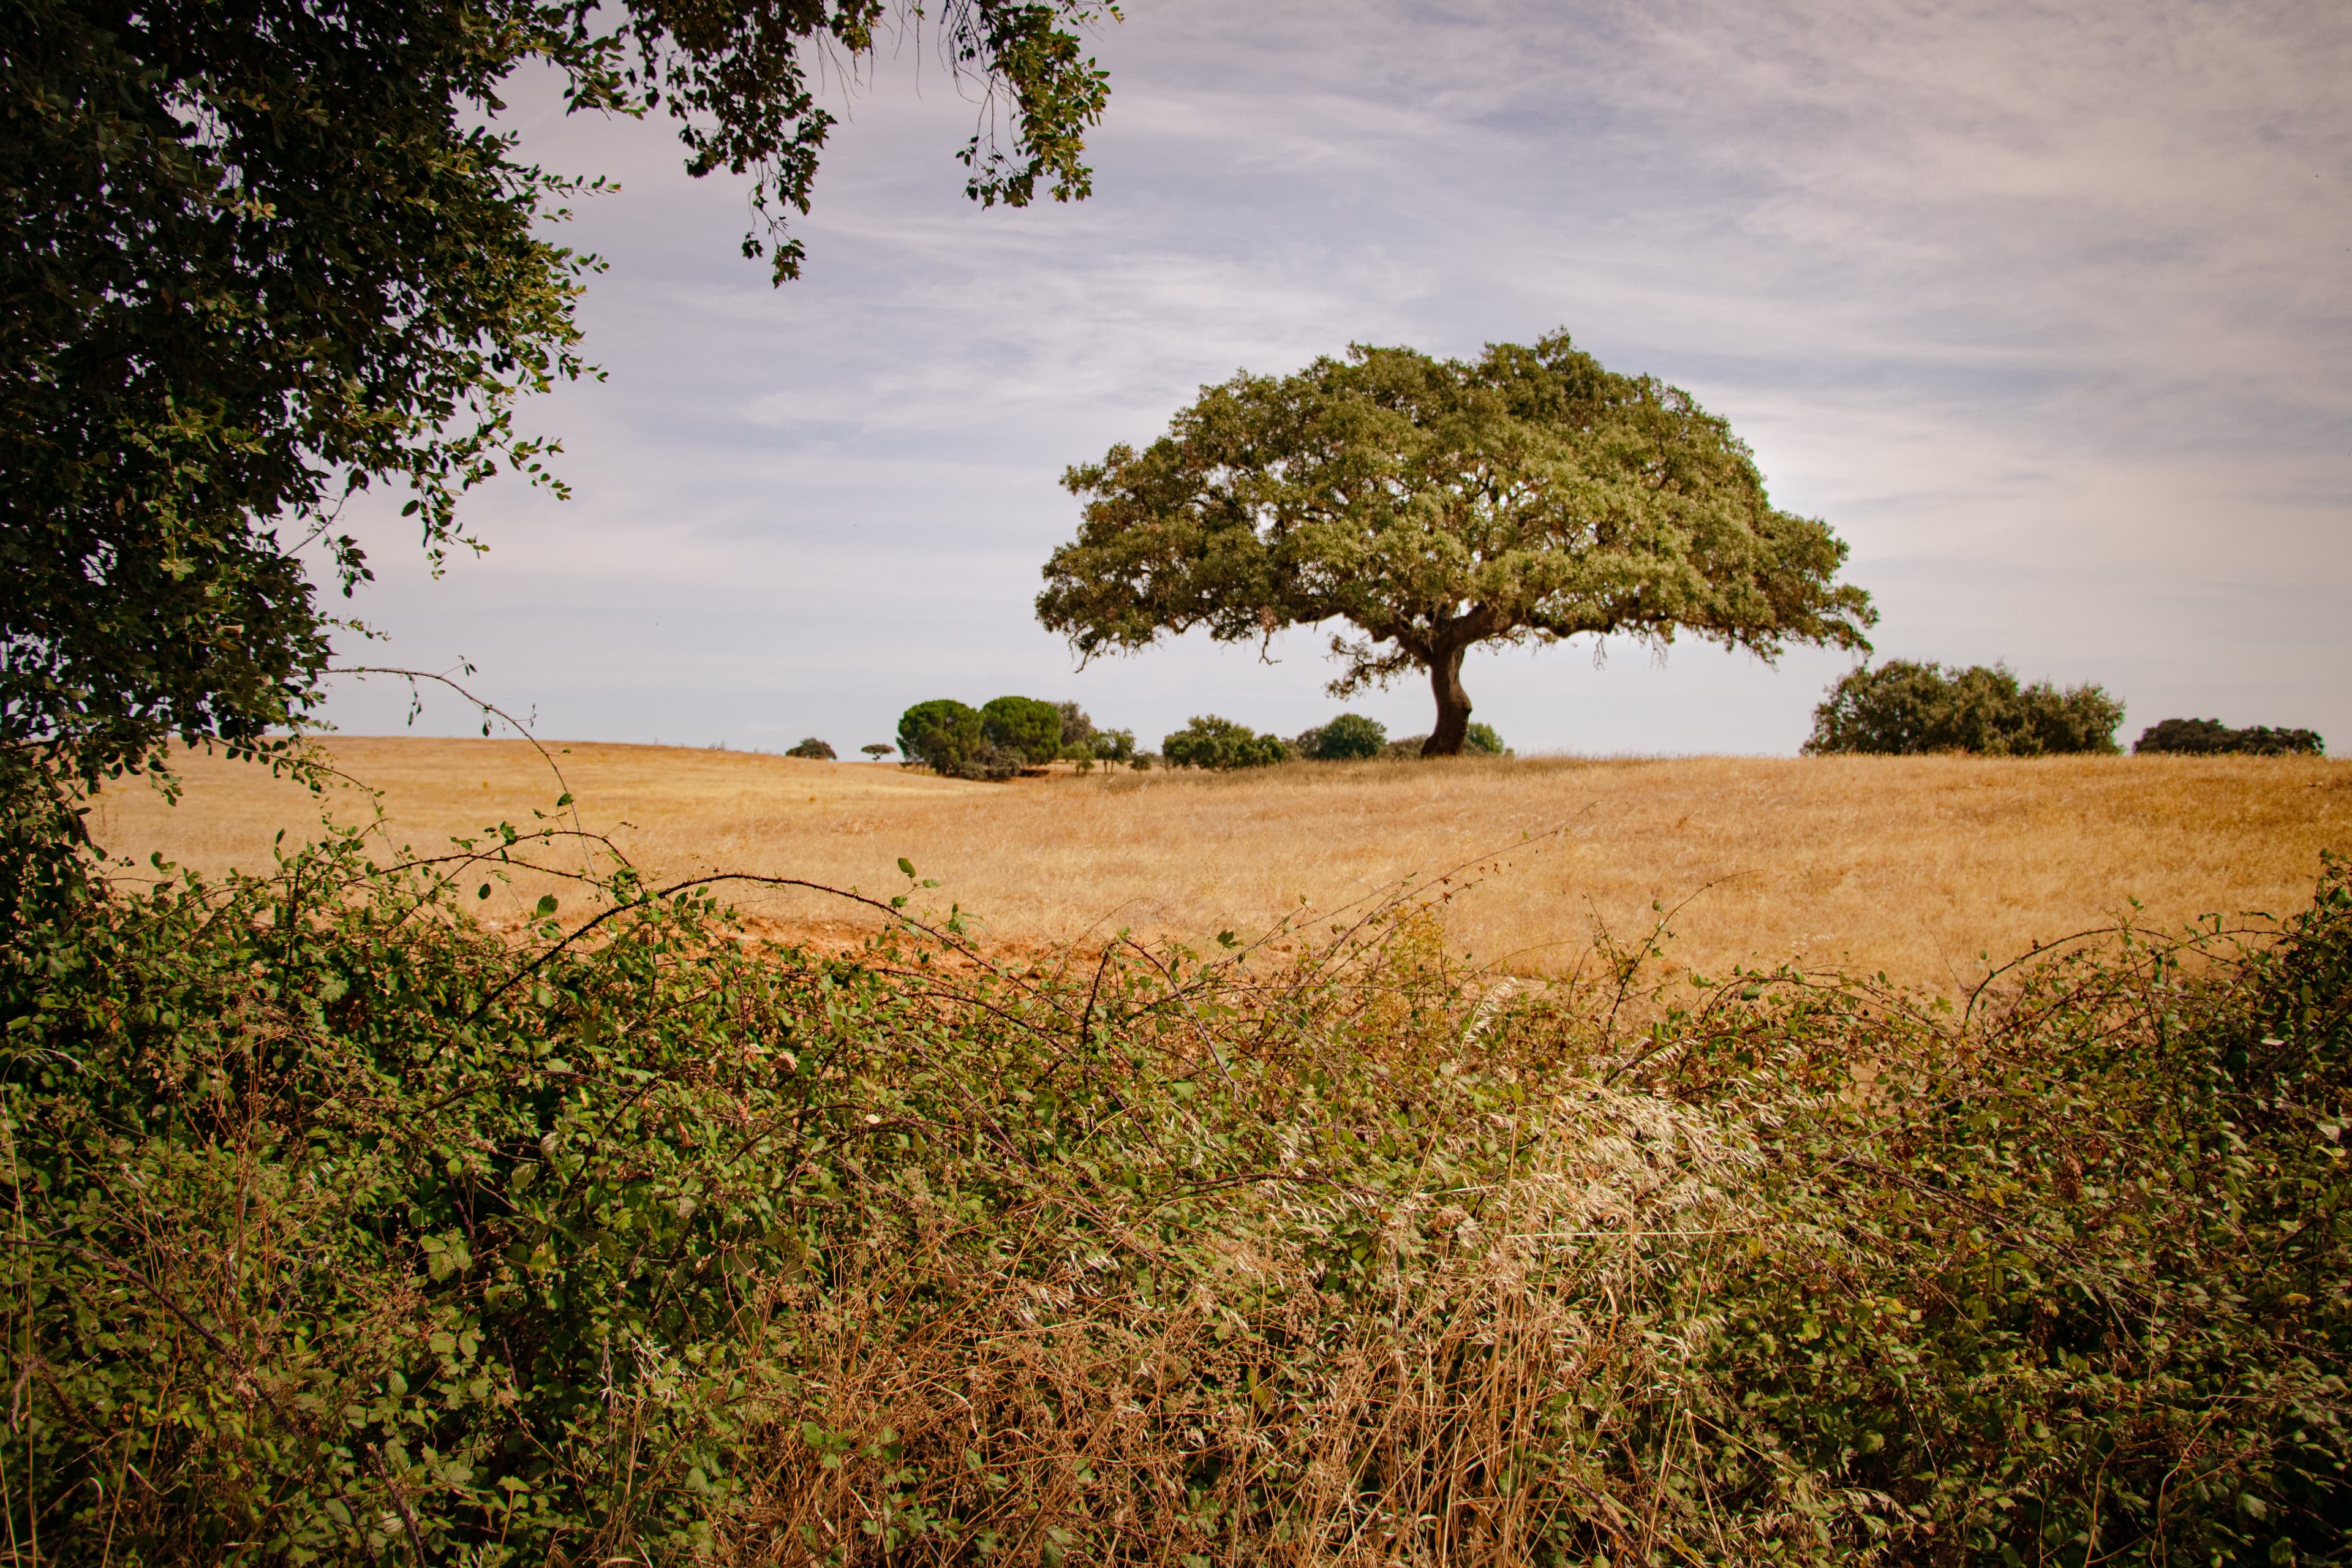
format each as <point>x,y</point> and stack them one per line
<point>257,255</point>
<point>1433,505</point>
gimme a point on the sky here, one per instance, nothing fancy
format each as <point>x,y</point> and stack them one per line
<point>2045,309</point>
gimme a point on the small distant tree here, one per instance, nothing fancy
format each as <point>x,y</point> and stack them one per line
<point>1436,506</point>
<point>813,749</point>
<point>1480,741</point>
<point>1024,726</point>
<point>1904,708</point>
<point>1349,738</point>
<point>877,749</point>
<point>1114,745</point>
<point>943,734</point>
<point>1209,741</point>
<point>1077,733</point>
<point>2210,737</point>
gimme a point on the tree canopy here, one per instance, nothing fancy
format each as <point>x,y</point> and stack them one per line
<point>1350,738</point>
<point>1207,741</point>
<point>1024,725</point>
<point>2210,737</point>
<point>1528,495</point>
<point>255,257</point>
<point>1905,708</point>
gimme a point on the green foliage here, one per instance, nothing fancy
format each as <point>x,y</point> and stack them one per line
<point>2072,1280</point>
<point>1030,729</point>
<point>1437,505</point>
<point>1904,708</point>
<point>339,1228</point>
<point>1114,745</point>
<point>877,749</point>
<point>261,257</point>
<point>1347,738</point>
<point>1209,741</point>
<point>2210,737</point>
<point>467,1285</point>
<point>1077,732</point>
<point>813,749</point>
<point>1482,741</point>
<point>943,735</point>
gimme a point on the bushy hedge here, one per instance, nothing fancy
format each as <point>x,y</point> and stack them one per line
<point>943,735</point>
<point>343,1229</point>
<point>1005,737</point>
<point>1209,741</point>
<point>2210,737</point>
<point>1030,729</point>
<point>1477,740</point>
<point>1350,737</point>
<point>1903,708</point>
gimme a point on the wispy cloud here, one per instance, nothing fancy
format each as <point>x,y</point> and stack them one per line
<point>2043,307</point>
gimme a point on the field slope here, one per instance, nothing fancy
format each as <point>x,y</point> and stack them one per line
<point>1913,866</point>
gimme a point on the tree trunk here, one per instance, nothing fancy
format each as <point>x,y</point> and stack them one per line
<point>1453,705</point>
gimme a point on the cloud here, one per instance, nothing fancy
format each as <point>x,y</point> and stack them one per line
<point>2042,307</point>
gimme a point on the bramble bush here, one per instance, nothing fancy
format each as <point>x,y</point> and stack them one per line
<point>340,1227</point>
<point>1903,708</point>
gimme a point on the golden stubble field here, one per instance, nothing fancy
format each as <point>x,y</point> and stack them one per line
<point>1913,866</point>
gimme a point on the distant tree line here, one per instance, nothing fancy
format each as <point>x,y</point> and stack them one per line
<point>1016,735</point>
<point>2210,737</point>
<point>1904,709</point>
<point>1209,741</point>
<point>1009,736</point>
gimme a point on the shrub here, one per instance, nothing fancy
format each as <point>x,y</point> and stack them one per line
<point>1029,729</point>
<point>952,740</point>
<point>812,748</point>
<point>369,1237</point>
<point>2209,737</point>
<point>1209,741</point>
<point>995,763</point>
<point>943,735</point>
<point>344,1230</point>
<point>1349,738</point>
<point>1077,732</point>
<point>1482,742</point>
<point>1904,708</point>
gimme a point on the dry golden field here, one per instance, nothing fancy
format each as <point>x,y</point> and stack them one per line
<point>1913,866</point>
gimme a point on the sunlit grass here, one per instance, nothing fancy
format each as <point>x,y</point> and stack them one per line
<point>1913,866</point>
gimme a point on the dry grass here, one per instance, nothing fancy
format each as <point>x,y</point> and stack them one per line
<point>1913,866</point>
